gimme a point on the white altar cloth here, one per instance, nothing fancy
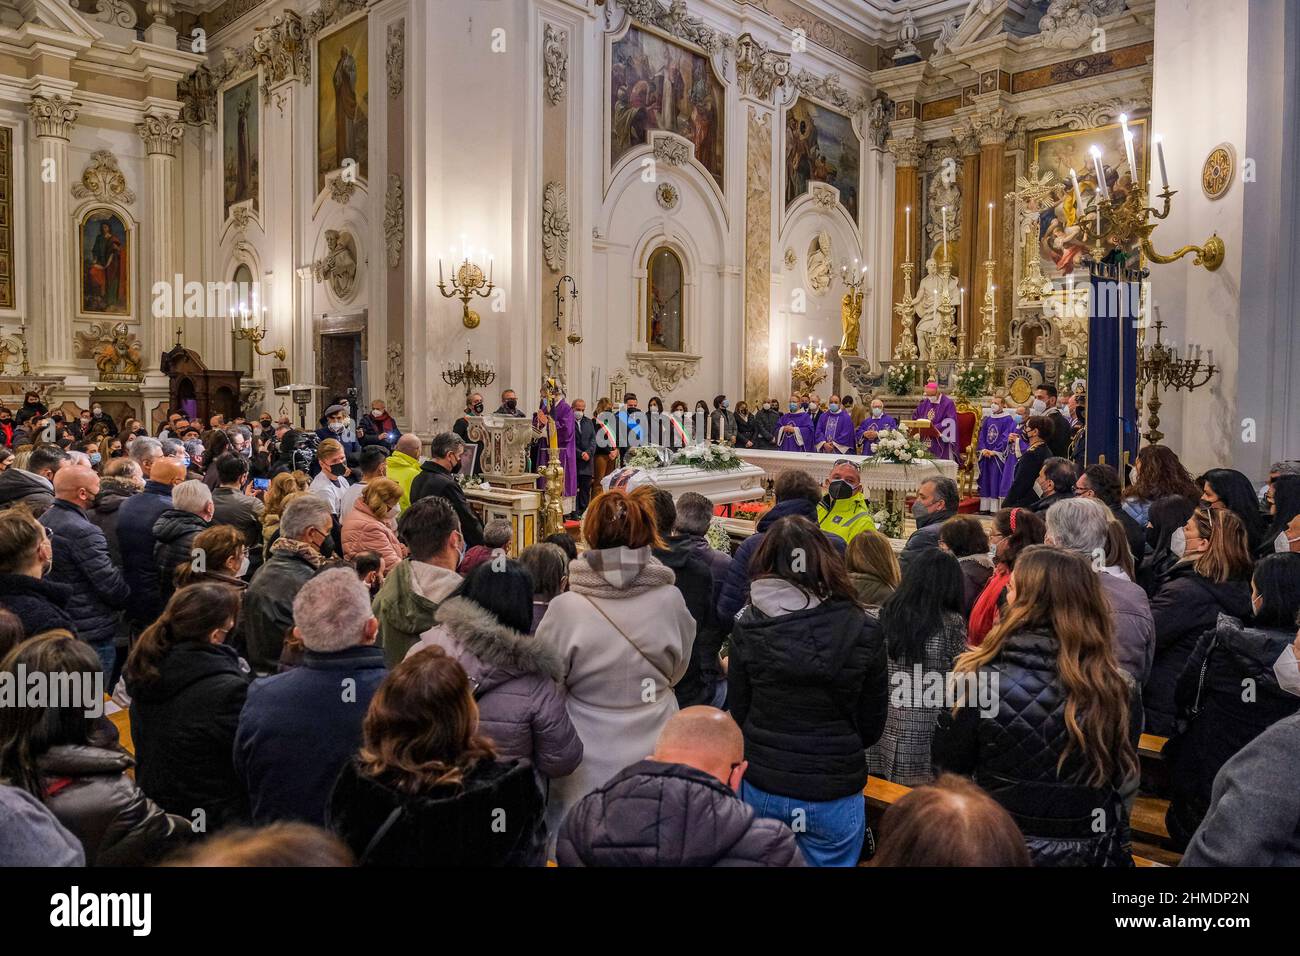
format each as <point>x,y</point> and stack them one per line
<point>875,476</point>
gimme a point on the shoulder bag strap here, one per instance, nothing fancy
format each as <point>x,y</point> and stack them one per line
<point>659,670</point>
<point>382,832</point>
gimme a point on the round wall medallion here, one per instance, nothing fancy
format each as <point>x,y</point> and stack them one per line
<point>667,195</point>
<point>1219,168</point>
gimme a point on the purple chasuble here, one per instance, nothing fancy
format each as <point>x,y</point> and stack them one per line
<point>801,439</point>
<point>883,423</point>
<point>996,473</point>
<point>834,427</point>
<point>940,412</point>
<point>566,438</point>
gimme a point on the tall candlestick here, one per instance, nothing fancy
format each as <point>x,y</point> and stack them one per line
<point>440,282</point>
<point>990,232</point>
<point>1078,195</point>
<point>1160,155</point>
<point>945,232</point>
<point>1128,147</point>
<point>907,230</point>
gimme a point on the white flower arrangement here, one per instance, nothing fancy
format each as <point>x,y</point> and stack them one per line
<point>900,378</point>
<point>717,537</point>
<point>896,446</point>
<point>709,457</point>
<point>644,456</point>
<point>889,523</point>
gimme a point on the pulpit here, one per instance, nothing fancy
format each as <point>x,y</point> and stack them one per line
<point>505,441</point>
<point>198,391</point>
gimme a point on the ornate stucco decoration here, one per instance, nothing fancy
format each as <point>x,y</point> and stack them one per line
<point>907,151</point>
<point>943,191</point>
<point>395,380</point>
<point>394,220</point>
<point>947,34</point>
<point>241,215</point>
<point>671,149</point>
<point>283,51</point>
<point>117,12</point>
<point>664,371</point>
<point>198,96</point>
<point>829,89</point>
<point>1083,116</point>
<point>555,63</point>
<point>675,20</point>
<point>791,258</point>
<point>555,226</point>
<point>115,350</point>
<point>338,267</point>
<point>667,196</point>
<point>103,180</point>
<point>993,128</point>
<point>161,133</point>
<point>1068,24</point>
<point>759,70</point>
<point>907,36</point>
<point>395,57</point>
<point>554,360</point>
<point>341,189</point>
<point>53,115</point>
<point>878,122</point>
<point>822,195</point>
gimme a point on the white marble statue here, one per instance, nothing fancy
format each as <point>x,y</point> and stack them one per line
<point>819,264</point>
<point>926,305</point>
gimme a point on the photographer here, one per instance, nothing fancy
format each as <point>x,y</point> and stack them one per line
<point>334,424</point>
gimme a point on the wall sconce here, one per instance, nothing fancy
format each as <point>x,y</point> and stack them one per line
<point>245,326</point>
<point>467,281</point>
<point>575,322</point>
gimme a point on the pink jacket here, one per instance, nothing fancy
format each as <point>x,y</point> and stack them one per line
<point>362,531</point>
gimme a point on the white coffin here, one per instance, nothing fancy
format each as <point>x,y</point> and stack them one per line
<point>875,476</point>
<point>745,483</point>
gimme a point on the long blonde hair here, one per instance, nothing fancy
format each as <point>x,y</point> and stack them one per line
<point>1058,592</point>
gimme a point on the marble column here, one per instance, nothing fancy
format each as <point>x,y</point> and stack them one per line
<point>992,128</point>
<point>162,134</point>
<point>971,247</point>
<point>908,152</point>
<point>758,255</point>
<point>53,117</point>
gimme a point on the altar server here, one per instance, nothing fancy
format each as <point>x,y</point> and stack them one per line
<point>871,428</point>
<point>834,429</point>
<point>794,432</point>
<point>941,412</point>
<point>997,462</point>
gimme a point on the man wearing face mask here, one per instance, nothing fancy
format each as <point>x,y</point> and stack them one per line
<point>81,561</point>
<point>509,405</point>
<point>334,424</point>
<point>26,555</point>
<point>1055,483</point>
<point>1045,398</point>
<point>941,412</point>
<point>996,461</point>
<point>936,501</point>
<point>437,480</point>
<point>844,511</point>
<point>794,429</point>
<point>584,444</point>
<point>833,433</point>
<point>461,428</point>
<point>871,426</point>
<point>331,481</point>
<point>722,423</point>
<point>378,427</point>
<point>765,423</point>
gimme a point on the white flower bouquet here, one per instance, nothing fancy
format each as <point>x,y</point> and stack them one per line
<point>896,446</point>
<point>717,537</point>
<point>645,456</point>
<point>709,457</point>
<point>470,481</point>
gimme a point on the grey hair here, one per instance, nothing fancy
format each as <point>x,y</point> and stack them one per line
<point>497,533</point>
<point>170,446</point>
<point>1079,524</point>
<point>79,458</point>
<point>444,444</point>
<point>694,512</point>
<point>946,489</point>
<point>303,513</point>
<point>1285,467</point>
<point>331,611</point>
<point>143,449</point>
<point>547,564</point>
<point>192,496</point>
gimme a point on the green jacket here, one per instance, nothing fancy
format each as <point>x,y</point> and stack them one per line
<point>845,517</point>
<point>405,610</point>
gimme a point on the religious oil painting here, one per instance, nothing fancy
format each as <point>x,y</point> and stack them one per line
<point>664,301</point>
<point>239,143</point>
<point>821,146</point>
<point>342,85</point>
<point>1061,244</point>
<point>105,264</point>
<point>656,84</point>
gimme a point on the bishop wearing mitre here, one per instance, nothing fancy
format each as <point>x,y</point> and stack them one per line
<point>941,412</point>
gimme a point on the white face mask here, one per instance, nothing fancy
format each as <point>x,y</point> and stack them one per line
<point>1038,407</point>
<point>1287,671</point>
<point>243,567</point>
<point>1178,543</point>
<point>1281,544</point>
<point>1039,489</point>
<point>877,411</point>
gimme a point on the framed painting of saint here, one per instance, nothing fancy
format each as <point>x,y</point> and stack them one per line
<point>658,84</point>
<point>664,317</point>
<point>1060,235</point>
<point>105,260</point>
<point>342,88</point>
<point>239,143</point>
<point>821,146</point>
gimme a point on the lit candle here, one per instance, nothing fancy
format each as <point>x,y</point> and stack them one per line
<point>945,232</point>
<point>440,270</point>
<point>990,232</point>
<point>907,232</point>
<point>1078,194</point>
<point>1160,155</point>
<point>1128,147</point>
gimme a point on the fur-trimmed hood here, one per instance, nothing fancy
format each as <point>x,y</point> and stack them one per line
<point>489,651</point>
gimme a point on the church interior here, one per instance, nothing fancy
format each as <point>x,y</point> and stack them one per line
<point>892,236</point>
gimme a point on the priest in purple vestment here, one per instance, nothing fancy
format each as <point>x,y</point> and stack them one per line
<point>794,431</point>
<point>941,411</point>
<point>997,460</point>
<point>833,432</point>
<point>871,427</point>
<point>555,406</point>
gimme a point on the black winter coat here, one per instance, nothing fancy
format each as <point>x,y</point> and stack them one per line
<point>88,790</point>
<point>104,512</point>
<point>18,487</point>
<point>135,521</point>
<point>173,534</point>
<point>266,615</point>
<point>1014,756</point>
<point>765,425</point>
<point>498,818</point>
<point>1021,493</point>
<point>82,561</point>
<point>1186,606</point>
<point>39,602</point>
<point>434,479</point>
<point>669,814</point>
<point>184,725</point>
<point>695,582</point>
<point>810,692</point>
<point>1238,663</point>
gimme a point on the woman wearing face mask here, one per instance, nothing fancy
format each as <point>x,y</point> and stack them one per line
<point>722,423</point>
<point>1212,577</point>
<point>765,421</point>
<point>744,426</point>
<point>676,427</point>
<point>873,425</point>
<point>225,561</point>
<point>1216,718</point>
<point>1283,500</point>
<point>1165,518</point>
<point>1022,492</point>
<point>1226,488</point>
<point>1012,530</point>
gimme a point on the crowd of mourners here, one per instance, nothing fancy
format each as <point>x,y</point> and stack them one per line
<point>327,658</point>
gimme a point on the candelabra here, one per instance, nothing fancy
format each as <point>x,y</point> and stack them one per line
<point>575,323</point>
<point>941,349</point>
<point>987,346</point>
<point>1111,224</point>
<point>808,367</point>
<point>469,373</point>
<point>245,326</point>
<point>1160,366</point>
<point>905,309</point>
<point>467,281</point>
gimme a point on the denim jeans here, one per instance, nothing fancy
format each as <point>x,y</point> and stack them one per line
<point>829,832</point>
<point>107,651</point>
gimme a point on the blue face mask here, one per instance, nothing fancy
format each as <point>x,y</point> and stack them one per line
<point>833,407</point>
<point>726,404</point>
<point>1016,417</point>
<point>794,406</point>
<point>96,458</point>
<point>186,461</point>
